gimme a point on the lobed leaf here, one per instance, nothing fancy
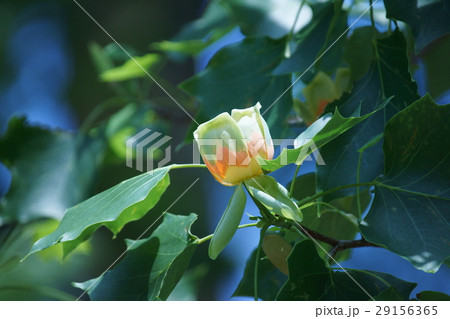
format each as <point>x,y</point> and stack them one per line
<point>329,21</point>
<point>428,20</point>
<point>389,76</point>
<point>51,170</point>
<point>152,266</point>
<point>410,213</point>
<point>310,279</point>
<point>239,75</point>
<point>321,132</point>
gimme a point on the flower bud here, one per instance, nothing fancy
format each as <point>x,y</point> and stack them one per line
<point>230,144</point>
<point>322,90</point>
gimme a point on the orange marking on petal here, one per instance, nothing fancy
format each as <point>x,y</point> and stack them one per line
<point>321,107</point>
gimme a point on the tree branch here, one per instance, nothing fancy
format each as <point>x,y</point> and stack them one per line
<point>337,244</point>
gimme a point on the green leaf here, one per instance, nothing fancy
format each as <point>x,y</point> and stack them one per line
<point>337,218</point>
<point>305,186</point>
<point>100,58</point>
<point>270,279</point>
<point>410,214</point>
<point>277,249</point>
<point>437,66</point>
<point>321,132</point>
<point>189,286</point>
<point>272,195</point>
<point>127,122</point>
<point>131,69</point>
<point>51,170</point>
<point>390,294</point>
<point>329,21</point>
<point>428,20</point>
<point>187,47</point>
<point>273,18</point>
<point>152,266</point>
<point>34,292</point>
<point>338,225</point>
<point>128,201</point>
<point>239,75</point>
<point>390,77</point>
<point>228,223</point>
<point>428,295</point>
<point>310,279</point>
<point>197,35</point>
<point>359,52</point>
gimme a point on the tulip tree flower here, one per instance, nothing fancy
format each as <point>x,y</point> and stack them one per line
<point>321,91</point>
<point>231,144</point>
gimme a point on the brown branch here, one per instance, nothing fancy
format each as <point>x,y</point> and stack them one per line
<point>338,245</point>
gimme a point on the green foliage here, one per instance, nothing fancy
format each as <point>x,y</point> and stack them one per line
<point>197,35</point>
<point>437,67</point>
<point>388,76</point>
<point>321,132</point>
<point>152,266</point>
<point>359,51</point>
<point>432,296</point>
<point>329,21</point>
<point>268,18</point>
<point>130,200</point>
<point>131,69</point>
<point>274,197</point>
<point>270,279</point>
<point>338,218</point>
<point>428,20</point>
<point>244,78</point>
<point>127,122</point>
<point>412,198</point>
<point>51,170</point>
<point>310,279</point>
<point>385,150</point>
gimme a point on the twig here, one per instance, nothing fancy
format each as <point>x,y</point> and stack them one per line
<point>337,244</point>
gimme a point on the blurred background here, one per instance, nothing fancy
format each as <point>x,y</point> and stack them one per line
<point>49,75</point>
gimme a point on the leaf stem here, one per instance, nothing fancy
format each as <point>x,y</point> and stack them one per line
<point>287,51</point>
<point>258,252</point>
<point>337,244</point>
<point>323,193</point>
<point>291,189</point>
<point>176,166</point>
<point>377,55</point>
<point>206,238</point>
<point>358,193</point>
<point>372,20</point>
